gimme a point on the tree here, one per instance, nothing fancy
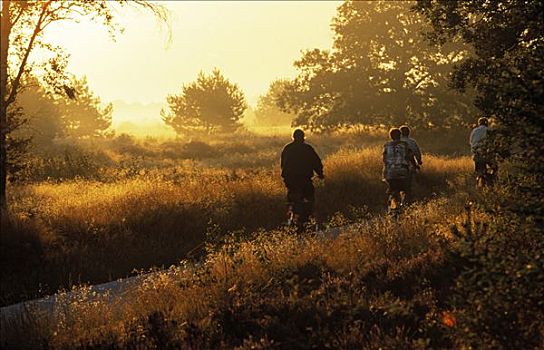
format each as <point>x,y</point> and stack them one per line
<point>17,145</point>
<point>40,119</point>
<point>23,24</point>
<point>268,113</point>
<point>381,71</point>
<point>506,70</point>
<point>209,104</point>
<point>83,116</point>
<point>33,120</point>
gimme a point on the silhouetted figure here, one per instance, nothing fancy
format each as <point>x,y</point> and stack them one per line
<point>397,156</point>
<point>405,136</point>
<point>299,161</point>
<point>484,167</point>
<point>415,161</point>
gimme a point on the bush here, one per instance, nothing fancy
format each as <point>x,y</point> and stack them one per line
<point>199,150</point>
<point>499,292</point>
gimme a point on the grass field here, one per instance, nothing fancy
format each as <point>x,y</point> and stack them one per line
<point>416,283</point>
<point>378,279</point>
<point>114,221</point>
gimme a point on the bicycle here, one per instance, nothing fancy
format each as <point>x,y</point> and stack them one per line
<point>487,175</point>
<point>396,203</point>
<point>300,208</point>
<point>298,214</point>
<point>399,193</point>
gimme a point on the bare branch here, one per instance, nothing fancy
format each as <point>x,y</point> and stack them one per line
<point>22,10</point>
<point>47,23</point>
<point>421,80</point>
<point>37,30</point>
<point>160,12</point>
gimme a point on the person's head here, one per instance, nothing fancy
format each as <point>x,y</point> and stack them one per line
<point>395,134</point>
<point>483,121</point>
<point>405,130</point>
<point>298,135</point>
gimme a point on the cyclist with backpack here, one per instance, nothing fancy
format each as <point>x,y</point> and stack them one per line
<point>397,157</point>
<point>299,161</point>
<point>484,167</point>
<point>405,136</point>
<point>415,161</point>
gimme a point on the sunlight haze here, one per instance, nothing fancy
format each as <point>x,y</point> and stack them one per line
<point>252,43</point>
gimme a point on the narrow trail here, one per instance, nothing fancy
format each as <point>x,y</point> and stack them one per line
<point>15,315</point>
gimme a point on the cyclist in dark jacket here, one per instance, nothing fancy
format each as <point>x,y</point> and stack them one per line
<point>299,161</point>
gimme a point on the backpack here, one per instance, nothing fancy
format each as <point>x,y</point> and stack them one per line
<point>397,166</point>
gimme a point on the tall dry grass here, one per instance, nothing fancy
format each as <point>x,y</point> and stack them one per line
<point>436,278</point>
<point>124,156</point>
<point>354,177</point>
<point>377,285</point>
<point>70,232</point>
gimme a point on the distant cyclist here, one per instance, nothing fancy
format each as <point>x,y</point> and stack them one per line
<point>299,161</point>
<point>484,166</point>
<point>397,156</point>
<point>415,161</point>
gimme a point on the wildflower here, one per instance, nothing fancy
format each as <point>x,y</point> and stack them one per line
<point>448,319</point>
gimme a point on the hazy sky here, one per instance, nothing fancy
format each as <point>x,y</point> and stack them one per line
<point>252,43</point>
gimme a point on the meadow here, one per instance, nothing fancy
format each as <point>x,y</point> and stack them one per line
<point>235,277</point>
<point>95,214</point>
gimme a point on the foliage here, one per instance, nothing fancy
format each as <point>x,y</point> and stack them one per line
<point>83,116</point>
<point>43,118</point>
<point>38,122</point>
<point>506,70</point>
<point>499,293</point>
<point>17,145</point>
<point>23,26</point>
<point>208,105</point>
<point>34,122</point>
<point>381,71</point>
<point>48,118</point>
<point>267,112</point>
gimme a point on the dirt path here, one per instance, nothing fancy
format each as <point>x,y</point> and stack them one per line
<point>12,317</point>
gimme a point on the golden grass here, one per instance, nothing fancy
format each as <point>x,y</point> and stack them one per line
<point>216,192</point>
<point>382,283</point>
<point>88,231</point>
<point>275,265</point>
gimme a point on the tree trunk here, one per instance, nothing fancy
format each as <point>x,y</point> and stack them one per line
<point>4,45</point>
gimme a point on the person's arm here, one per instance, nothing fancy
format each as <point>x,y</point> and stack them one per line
<point>383,159</point>
<point>318,165</point>
<point>471,139</point>
<point>417,153</point>
<point>411,156</point>
<point>282,162</point>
